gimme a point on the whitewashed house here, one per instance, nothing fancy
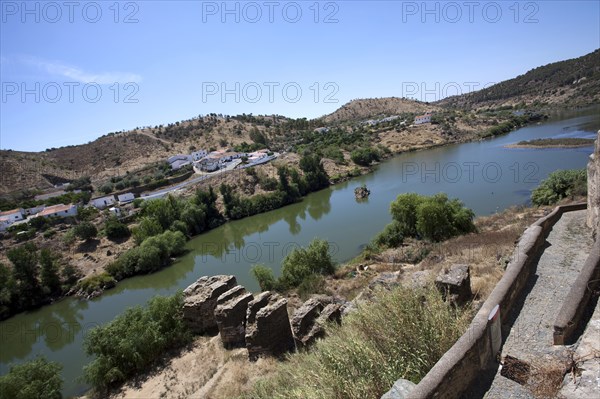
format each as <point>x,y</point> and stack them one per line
<point>59,210</point>
<point>125,198</point>
<point>179,161</point>
<point>8,218</point>
<point>419,120</point>
<point>34,210</point>
<point>209,164</point>
<point>198,155</point>
<point>103,202</point>
<point>115,211</point>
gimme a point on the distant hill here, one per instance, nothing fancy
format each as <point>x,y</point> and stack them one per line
<point>571,82</point>
<point>361,109</point>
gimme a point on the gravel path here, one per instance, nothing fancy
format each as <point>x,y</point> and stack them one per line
<point>530,338</point>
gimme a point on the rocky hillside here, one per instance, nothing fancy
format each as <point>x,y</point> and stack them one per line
<point>116,154</point>
<point>572,82</point>
<point>361,109</point>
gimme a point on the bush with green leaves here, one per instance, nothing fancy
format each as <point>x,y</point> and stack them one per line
<point>302,263</point>
<point>365,156</point>
<point>265,277</point>
<point>98,282</point>
<point>434,218</point>
<point>154,253</point>
<point>36,379</point>
<point>86,231</point>
<point>560,184</point>
<point>132,342</point>
<point>115,230</point>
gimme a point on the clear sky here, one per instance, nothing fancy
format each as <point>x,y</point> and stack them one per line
<point>72,71</point>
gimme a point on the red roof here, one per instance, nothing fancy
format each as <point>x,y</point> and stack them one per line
<point>54,209</point>
<point>18,210</point>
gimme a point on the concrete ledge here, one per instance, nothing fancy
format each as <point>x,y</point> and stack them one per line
<point>580,294</point>
<point>461,365</point>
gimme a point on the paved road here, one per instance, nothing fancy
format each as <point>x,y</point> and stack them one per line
<point>530,338</point>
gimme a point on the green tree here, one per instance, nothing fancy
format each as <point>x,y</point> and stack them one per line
<point>7,291</point>
<point>147,227</point>
<point>404,211</point>
<point>25,273</point>
<point>49,276</point>
<point>86,231</point>
<point>36,379</point>
<point>314,172</point>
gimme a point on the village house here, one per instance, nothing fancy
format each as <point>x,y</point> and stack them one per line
<point>178,161</point>
<point>125,198</point>
<point>198,155</point>
<point>419,120</point>
<point>103,202</point>
<point>115,211</point>
<point>8,218</point>
<point>59,210</point>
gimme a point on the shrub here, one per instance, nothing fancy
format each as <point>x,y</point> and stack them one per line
<point>36,379</point>
<point>401,334</point>
<point>304,262</point>
<point>99,282</point>
<point>85,231</point>
<point>435,218</point>
<point>364,156</point>
<point>264,276</point>
<point>134,340</point>
<point>116,230</point>
<point>391,236</point>
<point>147,227</point>
<point>560,184</point>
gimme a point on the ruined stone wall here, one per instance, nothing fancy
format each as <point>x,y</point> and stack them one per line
<point>593,171</point>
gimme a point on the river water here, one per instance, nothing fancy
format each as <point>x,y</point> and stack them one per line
<point>485,175</point>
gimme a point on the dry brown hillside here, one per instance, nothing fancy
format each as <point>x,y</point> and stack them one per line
<point>377,107</point>
<point>118,153</point>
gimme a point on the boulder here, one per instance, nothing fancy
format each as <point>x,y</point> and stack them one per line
<point>387,280</point>
<point>230,315</point>
<point>200,301</point>
<point>400,390</point>
<point>268,330</point>
<point>455,284</point>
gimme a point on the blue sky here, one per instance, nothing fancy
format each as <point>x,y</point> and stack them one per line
<point>71,72</point>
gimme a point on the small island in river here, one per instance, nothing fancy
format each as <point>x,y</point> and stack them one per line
<point>553,143</point>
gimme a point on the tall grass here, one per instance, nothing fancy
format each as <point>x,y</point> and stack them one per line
<point>401,335</point>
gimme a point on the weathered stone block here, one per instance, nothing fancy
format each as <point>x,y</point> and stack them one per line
<point>304,319</point>
<point>200,301</point>
<point>230,315</point>
<point>268,330</point>
<point>455,284</point>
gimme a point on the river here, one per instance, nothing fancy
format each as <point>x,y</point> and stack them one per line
<point>485,175</point>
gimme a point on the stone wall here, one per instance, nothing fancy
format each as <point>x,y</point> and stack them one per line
<point>474,351</point>
<point>593,170</point>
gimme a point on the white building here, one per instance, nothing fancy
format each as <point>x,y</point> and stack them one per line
<point>209,164</point>
<point>34,210</point>
<point>103,202</point>
<point>198,155</point>
<point>179,161</point>
<point>8,218</point>
<point>59,210</point>
<point>125,198</point>
<point>419,120</point>
<point>115,211</point>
